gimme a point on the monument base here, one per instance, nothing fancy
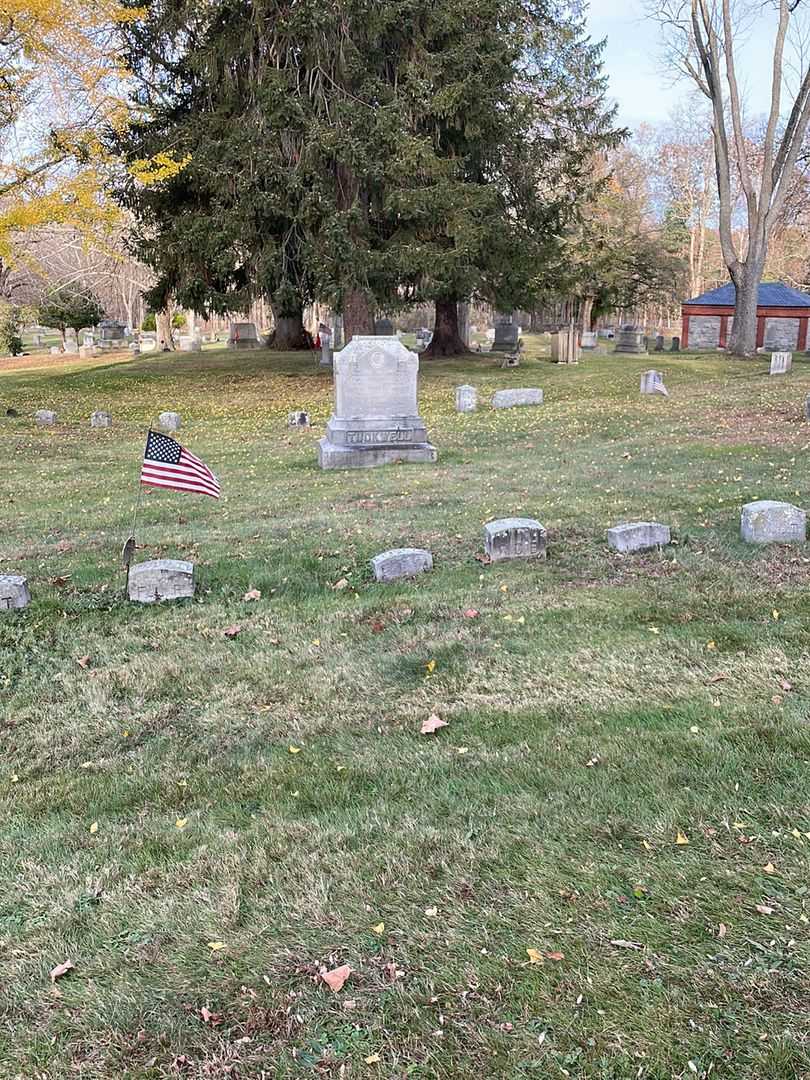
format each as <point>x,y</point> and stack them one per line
<point>331,456</point>
<point>243,346</point>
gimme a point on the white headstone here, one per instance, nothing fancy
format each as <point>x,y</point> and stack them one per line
<point>14,592</point>
<point>45,417</point>
<point>401,563</point>
<point>101,419</point>
<point>638,536</point>
<point>161,579</point>
<point>466,399</point>
<point>652,382</point>
<point>769,522</point>
<point>243,335</point>
<point>781,363</point>
<point>376,418</point>
<point>170,421</point>
<point>514,538</point>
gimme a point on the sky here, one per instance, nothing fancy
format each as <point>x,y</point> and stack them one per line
<point>640,80</point>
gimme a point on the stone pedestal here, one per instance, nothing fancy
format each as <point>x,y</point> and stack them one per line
<point>376,419</point>
<point>514,538</point>
<point>161,579</point>
<point>401,563</point>
<point>768,522</point>
<point>14,593</point>
<point>638,536</point>
<point>101,419</point>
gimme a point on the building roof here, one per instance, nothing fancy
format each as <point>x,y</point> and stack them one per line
<point>771,294</point>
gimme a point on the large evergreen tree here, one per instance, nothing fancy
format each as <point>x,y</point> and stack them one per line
<point>357,152</point>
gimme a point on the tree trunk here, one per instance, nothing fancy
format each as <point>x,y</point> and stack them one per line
<point>446,338</point>
<point>744,333</point>
<point>586,314</point>
<point>163,322</point>
<point>289,333</point>
<point>358,315</point>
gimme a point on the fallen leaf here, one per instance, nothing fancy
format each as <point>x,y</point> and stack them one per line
<point>763,909</point>
<point>785,684</point>
<point>378,929</point>
<point>216,946</point>
<point>294,749</point>
<point>232,631</point>
<point>620,943</point>
<point>83,662</point>
<point>316,642</point>
<point>339,586</point>
<point>94,827</point>
<point>214,1019</point>
<point>680,839</point>
<point>430,667</point>
<point>535,956</point>
<point>432,724</point>
<point>181,823</point>
<point>252,594</point>
<point>431,912</point>
<point>769,868</point>
<point>722,930</point>
<point>377,626</point>
<point>556,956</point>
<point>61,969</point>
<point>336,979</point>
<point>471,613</point>
<point>372,1059</point>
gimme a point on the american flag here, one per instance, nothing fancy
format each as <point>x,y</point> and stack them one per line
<point>167,464</point>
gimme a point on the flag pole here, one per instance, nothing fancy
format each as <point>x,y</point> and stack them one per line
<point>130,545</point>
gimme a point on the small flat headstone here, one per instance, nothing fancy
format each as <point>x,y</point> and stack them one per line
<point>45,418</point>
<point>589,339</point>
<point>401,563</point>
<point>14,592</point>
<point>676,345</point>
<point>768,522</point>
<point>170,421</point>
<point>652,382</point>
<point>781,363</point>
<point>101,419</point>
<point>466,399</point>
<point>639,536</point>
<point>659,343</point>
<point>298,419</point>
<point>508,399</point>
<point>161,579</point>
<point>515,538</point>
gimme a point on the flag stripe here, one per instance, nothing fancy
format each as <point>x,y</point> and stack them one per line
<point>166,476</point>
<point>191,489</point>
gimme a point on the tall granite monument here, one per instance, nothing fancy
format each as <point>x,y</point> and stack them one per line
<point>376,418</point>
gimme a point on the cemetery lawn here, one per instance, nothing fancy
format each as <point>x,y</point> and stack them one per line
<point>598,869</point>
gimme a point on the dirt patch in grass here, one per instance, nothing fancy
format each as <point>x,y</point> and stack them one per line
<point>781,566</point>
<point>761,427</point>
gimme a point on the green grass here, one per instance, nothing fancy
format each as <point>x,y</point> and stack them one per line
<point>597,706</point>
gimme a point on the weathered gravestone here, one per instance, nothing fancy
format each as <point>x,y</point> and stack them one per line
<point>659,343</point>
<point>170,421</point>
<point>383,328</point>
<point>509,399</point>
<point>298,419</point>
<point>676,345</point>
<point>652,382</point>
<point>768,522</point>
<point>101,419</point>
<point>630,340</point>
<point>71,343</point>
<point>161,579</point>
<point>190,344</point>
<point>243,335</point>
<point>589,339</point>
<point>325,334</point>
<point>401,563</point>
<point>45,418</point>
<point>514,538</point>
<point>781,363</point>
<point>466,399</point>
<point>112,334</point>
<point>638,536</point>
<point>507,335</point>
<point>14,592</point>
<point>376,419</point>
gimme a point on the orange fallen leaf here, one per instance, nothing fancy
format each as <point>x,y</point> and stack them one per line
<point>61,969</point>
<point>681,839</point>
<point>722,930</point>
<point>556,956</point>
<point>232,631</point>
<point>535,956</point>
<point>83,662</point>
<point>336,978</point>
<point>432,724</point>
<point>252,594</point>
<point>471,613</point>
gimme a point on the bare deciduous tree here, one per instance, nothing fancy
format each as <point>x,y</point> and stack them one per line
<point>703,35</point>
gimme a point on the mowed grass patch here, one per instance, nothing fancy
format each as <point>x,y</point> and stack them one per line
<point>165,788</point>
